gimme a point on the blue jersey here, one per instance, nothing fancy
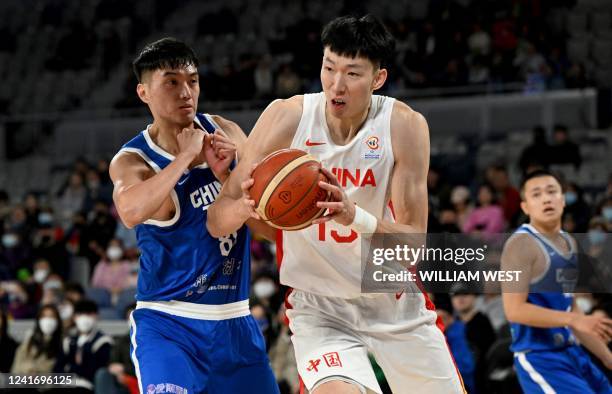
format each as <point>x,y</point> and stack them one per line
<point>550,290</point>
<point>179,259</point>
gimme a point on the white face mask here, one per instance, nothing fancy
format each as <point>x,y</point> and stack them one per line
<point>585,304</point>
<point>85,323</point>
<point>40,275</point>
<point>47,325</point>
<point>65,311</point>
<point>263,289</point>
<point>114,253</point>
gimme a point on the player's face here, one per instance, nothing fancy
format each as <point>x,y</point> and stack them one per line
<point>348,83</point>
<point>544,201</point>
<point>172,94</point>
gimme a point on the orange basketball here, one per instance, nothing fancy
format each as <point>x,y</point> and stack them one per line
<point>286,189</point>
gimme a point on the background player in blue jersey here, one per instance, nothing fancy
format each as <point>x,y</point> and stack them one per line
<point>192,331</point>
<point>546,324</point>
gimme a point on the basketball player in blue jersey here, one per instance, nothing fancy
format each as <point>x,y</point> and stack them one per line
<point>547,327</point>
<point>192,331</point>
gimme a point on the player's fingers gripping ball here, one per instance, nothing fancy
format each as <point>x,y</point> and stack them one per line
<point>286,189</point>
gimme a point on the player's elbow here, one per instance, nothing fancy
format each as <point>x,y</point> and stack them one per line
<point>513,313</point>
<point>212,224</point>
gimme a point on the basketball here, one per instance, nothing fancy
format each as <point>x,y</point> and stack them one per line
<point>286,189</point>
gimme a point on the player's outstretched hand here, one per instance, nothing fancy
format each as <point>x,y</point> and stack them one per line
<point>249,203</point>
<point>339,208</point>
<point>190,141</point>
<point>219,151</point>
<point>594,325</point>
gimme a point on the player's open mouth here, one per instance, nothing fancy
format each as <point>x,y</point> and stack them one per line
<point>549,210</point>
<point>338,103</point>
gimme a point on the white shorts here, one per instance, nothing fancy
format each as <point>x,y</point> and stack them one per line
<point>333,336</point>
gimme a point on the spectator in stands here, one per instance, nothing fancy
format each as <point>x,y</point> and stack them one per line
<point>263,317</point>
<point>73,293</point>
<point>282,355</point>
<point>32,208</point>
<point>88,349</point>
<point>15,253</point>
<point>460,198</point>
<point>102,168</point>
<point>96,190</point>
<point>508,197</point>
<point>606,212</point>
<point>48,243</point>
<point>479,42</point>
<point>288,83</point>
<point>564,150</point>
<point>52,290</point>
<point>536,155</point>
<point>439,190</point>
<point>263,77</point>
<point>71,200</point>
<point>488,217</point>
<point>577,207</point>
<point>120,376</point>
<point>20,305</point>
<point>98,233</point>
<point>17,222</point>
<point>7,344</point>
<point>5,207</point>
<point>478,331</point>
<point>41,351</point>
<point>454,331</point>
<point>113,271</point>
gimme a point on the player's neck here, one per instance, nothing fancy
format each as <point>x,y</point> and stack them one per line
<point>552,228</point>
<point>164,135</point>
<point>343,130</point>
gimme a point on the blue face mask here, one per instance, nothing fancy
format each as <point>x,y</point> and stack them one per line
<point>607,214</point>
<point>570,198</point>
<point>596,237</point>
<point>45,218</point>
<point>9,240</point>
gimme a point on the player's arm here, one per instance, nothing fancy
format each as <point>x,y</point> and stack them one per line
<point>410,141</point>
<point>274,130</point>
<point>520,254</point>
<point>593,342</point>
<point>136,194</point>
<point>237,135</point>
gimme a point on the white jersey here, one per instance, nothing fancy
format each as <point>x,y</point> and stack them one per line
<point>325,259</point>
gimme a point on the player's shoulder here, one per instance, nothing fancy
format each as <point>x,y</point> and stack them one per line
<point>405,117</point>
<point>292,105</point>
<point>230,127</point>
<point>126,161</point>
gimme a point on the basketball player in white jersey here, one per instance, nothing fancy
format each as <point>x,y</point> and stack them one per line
<point>378,148</point>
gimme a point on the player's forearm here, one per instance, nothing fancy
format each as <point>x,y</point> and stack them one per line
<point>595,346</point>
<point>536,316</point>
<point>384,226</point>
<point>139,202</point>
<point>225,216</point>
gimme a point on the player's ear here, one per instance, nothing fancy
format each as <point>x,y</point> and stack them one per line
<point>524,208</point>
<point>142,92</point>
<point>379,79</point>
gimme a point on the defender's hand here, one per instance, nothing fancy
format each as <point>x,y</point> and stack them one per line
<point>219,151</point>
<point>190,141</point>
<point>597,325</point>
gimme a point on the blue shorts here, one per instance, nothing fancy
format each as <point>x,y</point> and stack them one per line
<point>567,371</point>
<point>181,355</point>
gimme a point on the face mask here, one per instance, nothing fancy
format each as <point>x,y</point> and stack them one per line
<point>114,253</point>
<point>47,325</point>
<point>596,237</point>
<point>584,304</point>
<point>263,289</point>
<point>66,311</point>
<point>570,198</point>
<point>45,218</point>
<point>84,323</point>
<point>40,275</point>
<point>52,285</point>
<point>607,214</point>
<point>9,240</point>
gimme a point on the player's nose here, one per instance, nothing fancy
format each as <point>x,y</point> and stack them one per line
<point>185,92</point>
<point>339,84</point>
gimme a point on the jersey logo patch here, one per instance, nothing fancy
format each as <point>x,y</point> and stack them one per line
<point>372,152</point>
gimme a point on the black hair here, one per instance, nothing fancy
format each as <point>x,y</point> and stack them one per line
<point>74,286</point>
<point>363,37</point>
<point>85,306</point>
<point>165,53</point>
<point>52,348</point>
<point>536,174</point>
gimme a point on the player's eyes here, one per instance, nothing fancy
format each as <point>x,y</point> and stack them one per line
<point>351,74</point>
<point>327,68</point>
